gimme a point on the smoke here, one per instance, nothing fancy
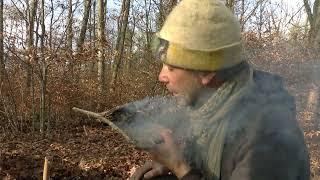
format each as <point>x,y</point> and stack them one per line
<point>141,120</point>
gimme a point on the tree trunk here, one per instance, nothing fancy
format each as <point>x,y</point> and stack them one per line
<point>130,39</point>
<point>160,18</point>
<point>90,22</point>
<point>93,36</point>
<point>124,16</point>
<point>148,29</point>
<point>94,23</point>
<point>316,8</point>
<point>2,65</point>
<point>241,20</point>
<point>261,20</point>
<point>51,25</point>
<point>69,27</point>
<point>106,9</point>
<point>43,75</point>
<point>30,47</point>
<point>101,41</point>
<point>83,30</point>
<point>30,24</point>
<point>69,40</point>
<point>314,21</point>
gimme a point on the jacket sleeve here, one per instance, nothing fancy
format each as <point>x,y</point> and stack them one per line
<point>274,149</point>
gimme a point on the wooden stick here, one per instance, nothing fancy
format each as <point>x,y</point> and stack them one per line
<point>85,130</point>
<point>45,169</point>
<point>109,112</point>
<point>105,120</point>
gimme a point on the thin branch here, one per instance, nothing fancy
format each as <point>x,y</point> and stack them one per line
<point>15,54</point>
<point>53,22</point>
<point>23,7</point>
<point>20,13</point>
<point>105,120</point>
<point>252,12</point>
<point>294,15</point>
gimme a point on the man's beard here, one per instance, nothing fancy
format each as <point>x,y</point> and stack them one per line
<point>185,100</point>
<point>195,99</point>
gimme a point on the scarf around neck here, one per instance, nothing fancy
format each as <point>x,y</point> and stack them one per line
<point>209,123</point>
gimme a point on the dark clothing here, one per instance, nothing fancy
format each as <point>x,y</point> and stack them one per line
<point>263,139</point>
<point>260,140</point>
<point>269,146</point>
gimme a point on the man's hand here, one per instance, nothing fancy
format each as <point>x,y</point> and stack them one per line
<point>149,170</point>
<point>170,154</point>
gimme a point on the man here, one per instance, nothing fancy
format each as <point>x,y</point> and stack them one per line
<point>243,123</point>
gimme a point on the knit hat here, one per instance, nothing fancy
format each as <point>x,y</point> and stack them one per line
<point>202,35</point>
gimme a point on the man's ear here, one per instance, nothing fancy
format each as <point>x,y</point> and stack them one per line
<point>207,78</point>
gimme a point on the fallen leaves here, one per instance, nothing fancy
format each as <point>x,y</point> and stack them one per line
<point>99,154</point>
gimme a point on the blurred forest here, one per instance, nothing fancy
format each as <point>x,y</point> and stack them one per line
<point>96,54</point>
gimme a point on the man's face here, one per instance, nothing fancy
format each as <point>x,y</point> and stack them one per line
<point>183,84</point>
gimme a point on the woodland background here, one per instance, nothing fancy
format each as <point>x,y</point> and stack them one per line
<point>96,54</point>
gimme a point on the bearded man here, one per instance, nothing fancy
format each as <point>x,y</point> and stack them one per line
<point>243,123</point>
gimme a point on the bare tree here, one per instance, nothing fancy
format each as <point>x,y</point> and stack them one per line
<point>314,21</point>
<point>70,38</point>
<point>69,26</point>
<point>2,65</point>
<point>130,41</point>
<point>85,19</point>
<point>31,18</point>
<point>94,22</point>
<point>101,41</point>
<point>51,24</point>
<point>32,9</point>
<point>161,17</point>
<point>147,9</point>
<point>122,28</point>
<point>247,11</point>
<point>261,19</point>
<point>43,70</point>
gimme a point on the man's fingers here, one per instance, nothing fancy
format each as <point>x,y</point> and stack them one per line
<point>148,171</point>
<point>152,173</point>
<point>139,173</point>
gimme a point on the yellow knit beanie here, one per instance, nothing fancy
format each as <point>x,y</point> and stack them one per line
<point>202,35</point>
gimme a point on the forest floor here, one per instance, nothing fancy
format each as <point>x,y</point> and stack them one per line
<point>85,149</point>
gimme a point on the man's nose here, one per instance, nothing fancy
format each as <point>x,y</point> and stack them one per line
<point>163,76</point>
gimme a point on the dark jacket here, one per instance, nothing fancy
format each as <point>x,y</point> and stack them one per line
<point>263,140</point>
<point>270,146</point>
